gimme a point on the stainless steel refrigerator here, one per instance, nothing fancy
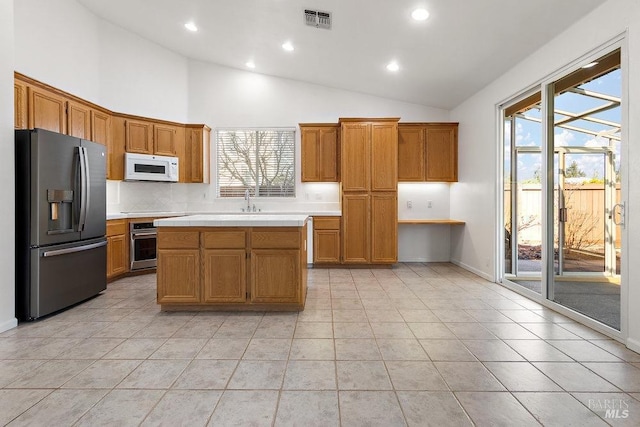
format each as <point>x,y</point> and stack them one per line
<point>61,248</point>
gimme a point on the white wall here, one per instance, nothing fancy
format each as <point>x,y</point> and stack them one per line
<point>473,199</point>
<point>139,77</point>
<point>56,41</point>
<point>7,192</point>
<point>61,43</point>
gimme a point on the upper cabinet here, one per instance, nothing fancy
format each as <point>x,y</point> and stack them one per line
<point>319,152</point>
<point>355,159</point>
<point>20,104</point>
<point>138,136</point>
<point>40,106</point>
<point>47,110</point>
<point>78,120</point>
<point>428,152</point>
<point>369,155</point>
<point>196,164</point>
<point>100,127</point>
<point>165,139</point>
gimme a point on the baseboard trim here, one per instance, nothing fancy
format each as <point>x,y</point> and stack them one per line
<point>633,344</point>
<point>9,324</point>
<point>422,260</point>
<point>473,270</point>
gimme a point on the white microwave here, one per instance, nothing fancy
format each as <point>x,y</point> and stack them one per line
<point>146,167</point>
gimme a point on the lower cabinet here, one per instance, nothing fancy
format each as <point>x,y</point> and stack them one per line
<point>275,276</point>
<point>117,248</point>
<point>178,275</point>
<point>326,240</point>
<point>235,268</point>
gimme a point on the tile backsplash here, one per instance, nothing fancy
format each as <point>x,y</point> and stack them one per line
<point>123,196</point>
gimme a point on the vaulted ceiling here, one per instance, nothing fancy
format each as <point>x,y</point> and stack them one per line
<point>459,49</point>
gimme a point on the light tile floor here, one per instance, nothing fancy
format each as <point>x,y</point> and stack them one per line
<point>419,344</point>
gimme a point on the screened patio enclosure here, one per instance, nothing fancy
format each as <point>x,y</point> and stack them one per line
<point>583,176</point>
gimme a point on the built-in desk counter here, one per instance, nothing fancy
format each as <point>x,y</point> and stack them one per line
<point>232,262</point>
<point>431,221</point>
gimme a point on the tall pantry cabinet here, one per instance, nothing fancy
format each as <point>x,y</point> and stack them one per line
<point>369,169</point>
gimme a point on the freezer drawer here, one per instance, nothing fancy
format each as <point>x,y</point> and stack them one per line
<point>63,275</point>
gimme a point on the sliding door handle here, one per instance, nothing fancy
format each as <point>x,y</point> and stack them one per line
<point>619,214</point>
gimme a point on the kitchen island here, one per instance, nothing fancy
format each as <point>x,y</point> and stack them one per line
<point>232,262</point>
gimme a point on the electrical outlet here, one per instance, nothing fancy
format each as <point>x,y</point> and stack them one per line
<point>318,196</point>
<point>409,204</point>
<point>429,204</point>
<point>306,196</point>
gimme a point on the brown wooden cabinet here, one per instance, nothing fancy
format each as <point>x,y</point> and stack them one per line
<point>117,248</point>
<point>384,228</point>
<point>39,105</point>
<point>428,152</point>
<point>178,270</point>
<point>441,153</point>
<point>210,266</point>
<point>178,276</point>
<point>138,136</point>
<point>164,140</point>
<point>369,190</point>
<point>326,240</point>
<point>100,127</point>
<point>225,266</point>
<point>78,120</point>
<point>20,104</point>
<point>411,156</point>
<point>196,164</point>
<point>356,227</point>
<point>47,110</point>
<point>319,152</point>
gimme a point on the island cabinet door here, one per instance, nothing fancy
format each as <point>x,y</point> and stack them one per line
<point>225,275</point>
<point>178,276</point>
<point>275,275</point>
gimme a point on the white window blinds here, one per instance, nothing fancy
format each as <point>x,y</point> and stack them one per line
<point>259,160</point>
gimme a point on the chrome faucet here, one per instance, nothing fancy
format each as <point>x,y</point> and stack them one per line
<point>247,197</point>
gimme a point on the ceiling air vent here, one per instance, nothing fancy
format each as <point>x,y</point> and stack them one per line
<point>318,19</point>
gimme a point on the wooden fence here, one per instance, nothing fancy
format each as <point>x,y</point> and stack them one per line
<point>585,226</point>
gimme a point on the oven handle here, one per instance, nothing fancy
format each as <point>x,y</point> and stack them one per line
<point>142,235</point>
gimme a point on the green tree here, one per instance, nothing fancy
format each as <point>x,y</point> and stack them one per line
<point>573,171</point>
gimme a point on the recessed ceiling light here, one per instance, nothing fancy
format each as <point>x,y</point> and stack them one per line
<point>393,66</point>
<point>191,26</point>
<point>250,64</point>
<point>591,64</point>
<point>420,14</point>
<point>287,46</point>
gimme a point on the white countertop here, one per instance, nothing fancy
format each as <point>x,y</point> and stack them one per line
<point>158,214</point>
<point>237,220</point>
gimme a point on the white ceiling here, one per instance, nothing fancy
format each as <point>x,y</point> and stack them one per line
<point>463,46</point>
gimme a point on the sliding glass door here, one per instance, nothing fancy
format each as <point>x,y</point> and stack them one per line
<point>586,145</point>
<point>564,153</point>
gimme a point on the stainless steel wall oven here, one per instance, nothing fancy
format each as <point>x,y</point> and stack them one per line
<point>143,245</point>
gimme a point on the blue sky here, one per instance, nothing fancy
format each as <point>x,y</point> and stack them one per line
<point>528,133</point>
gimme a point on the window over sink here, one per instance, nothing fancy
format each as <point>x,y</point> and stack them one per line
<point>258,160</point>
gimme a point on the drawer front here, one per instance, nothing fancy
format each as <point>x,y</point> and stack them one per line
<point>225,239</point>
<point>116,227</point>
<point>275,239</point>
<point>178,240</point>
<point>326,223</point>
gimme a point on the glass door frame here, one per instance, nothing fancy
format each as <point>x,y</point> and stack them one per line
<point>546,86</point>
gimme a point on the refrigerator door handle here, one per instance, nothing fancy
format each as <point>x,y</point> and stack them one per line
<point>58,252</point>
<point>82,154</point>
<point>87,183</point>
